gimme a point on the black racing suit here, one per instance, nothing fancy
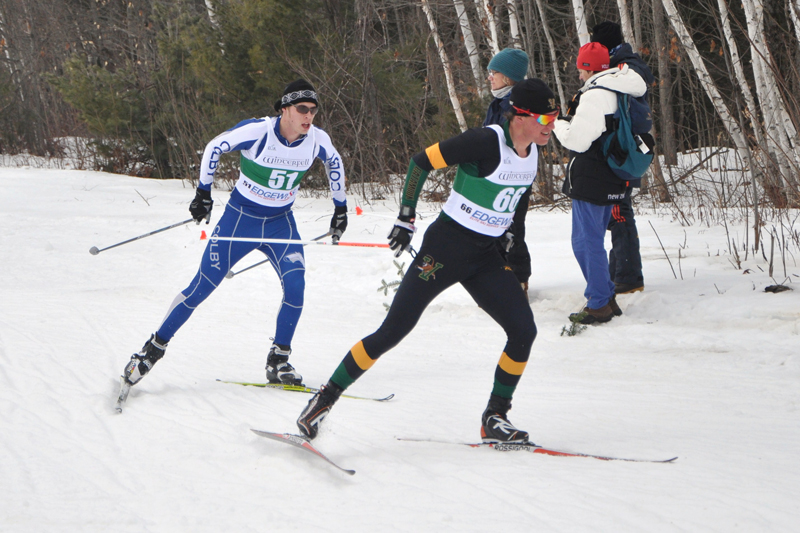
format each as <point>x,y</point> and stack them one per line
<point>519,257</point>
<point>450,254</point>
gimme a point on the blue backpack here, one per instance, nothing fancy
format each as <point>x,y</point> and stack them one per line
<point>628,146</point>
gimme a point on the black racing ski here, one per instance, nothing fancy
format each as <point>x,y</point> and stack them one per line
<point>299,442</point>
<point>301,388</point>
<point>534,448</point>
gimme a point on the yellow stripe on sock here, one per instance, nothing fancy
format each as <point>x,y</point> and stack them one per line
<point>510,366</point>
<point>363,360</point>
<point>435,156</point>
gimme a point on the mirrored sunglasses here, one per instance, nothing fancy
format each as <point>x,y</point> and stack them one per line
<point>304,109</point>
<point>544,120</point>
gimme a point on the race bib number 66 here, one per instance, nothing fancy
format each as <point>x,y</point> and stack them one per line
<point>506,200</point>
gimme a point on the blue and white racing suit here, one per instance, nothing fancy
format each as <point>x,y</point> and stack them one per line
<point>260,206</point>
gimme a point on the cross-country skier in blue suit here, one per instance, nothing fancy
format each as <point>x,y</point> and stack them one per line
<point>275,153</point>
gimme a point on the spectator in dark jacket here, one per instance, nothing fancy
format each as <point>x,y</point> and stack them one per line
<point>505,69</point>
<point>508,67</point>
<point>624,259</point>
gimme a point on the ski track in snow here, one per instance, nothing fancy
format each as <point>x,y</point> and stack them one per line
<point>704,367</point>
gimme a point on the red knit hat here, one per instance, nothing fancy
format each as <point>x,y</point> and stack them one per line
<point>594,57</point>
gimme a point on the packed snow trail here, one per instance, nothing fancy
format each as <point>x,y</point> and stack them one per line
<point>703,367</point>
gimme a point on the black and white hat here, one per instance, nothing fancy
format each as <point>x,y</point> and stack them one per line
<point>296,92</point>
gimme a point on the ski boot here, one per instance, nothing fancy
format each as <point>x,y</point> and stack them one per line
<point>278,368</point>
<point>141,363</point>
<point>317,409</point>
<point>495,427</point>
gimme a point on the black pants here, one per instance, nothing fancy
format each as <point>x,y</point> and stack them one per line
<point>452,254</point>
<point>624,261</point>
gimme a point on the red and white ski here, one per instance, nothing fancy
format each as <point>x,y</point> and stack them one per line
<point>534,448</point>
<point>299,442</point>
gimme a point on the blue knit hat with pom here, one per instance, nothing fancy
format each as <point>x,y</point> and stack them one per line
<point>511,62</point>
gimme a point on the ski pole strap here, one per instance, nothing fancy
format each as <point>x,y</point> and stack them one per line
<point>407,225</point>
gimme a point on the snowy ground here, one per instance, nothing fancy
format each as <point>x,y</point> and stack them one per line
<point>704,367</point>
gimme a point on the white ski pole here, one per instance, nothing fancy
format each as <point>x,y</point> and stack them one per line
<point>203,236</point>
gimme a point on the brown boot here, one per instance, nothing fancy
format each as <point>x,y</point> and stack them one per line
<point>628,288</point>
<point>612,303</point>
<point>593,316</point>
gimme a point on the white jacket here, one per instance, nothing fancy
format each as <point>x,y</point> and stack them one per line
<point>589,121</point>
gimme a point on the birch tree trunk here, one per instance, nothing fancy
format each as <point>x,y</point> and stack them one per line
<point>472,48</point>
<point>580,21</point>
<point>752,108</point>
<point>794,13</point>
<point>448,74</point>
<point>625,19</point>
<point>211,16</point>
<point>489,26</point>
<point>731,126</point>
<point>514,24</point>
<point>552,48</point>
<point>781,133</point>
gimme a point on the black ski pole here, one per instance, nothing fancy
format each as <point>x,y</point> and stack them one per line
<point>94,250</point>
<point>231,273</point>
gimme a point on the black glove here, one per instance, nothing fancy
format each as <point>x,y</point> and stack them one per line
<point>403,230</point>
<point>338,222</point>
<point>200,207</point>
<point>507,241</point>
<point>573,105</point>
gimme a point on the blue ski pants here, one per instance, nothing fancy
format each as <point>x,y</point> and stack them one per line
<point>589,223</point>
<point>220,256</point>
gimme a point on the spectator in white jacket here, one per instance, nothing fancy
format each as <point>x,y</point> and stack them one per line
<point>590,182</point>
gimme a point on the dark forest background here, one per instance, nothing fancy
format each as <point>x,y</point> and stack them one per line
<point>147,83</point>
